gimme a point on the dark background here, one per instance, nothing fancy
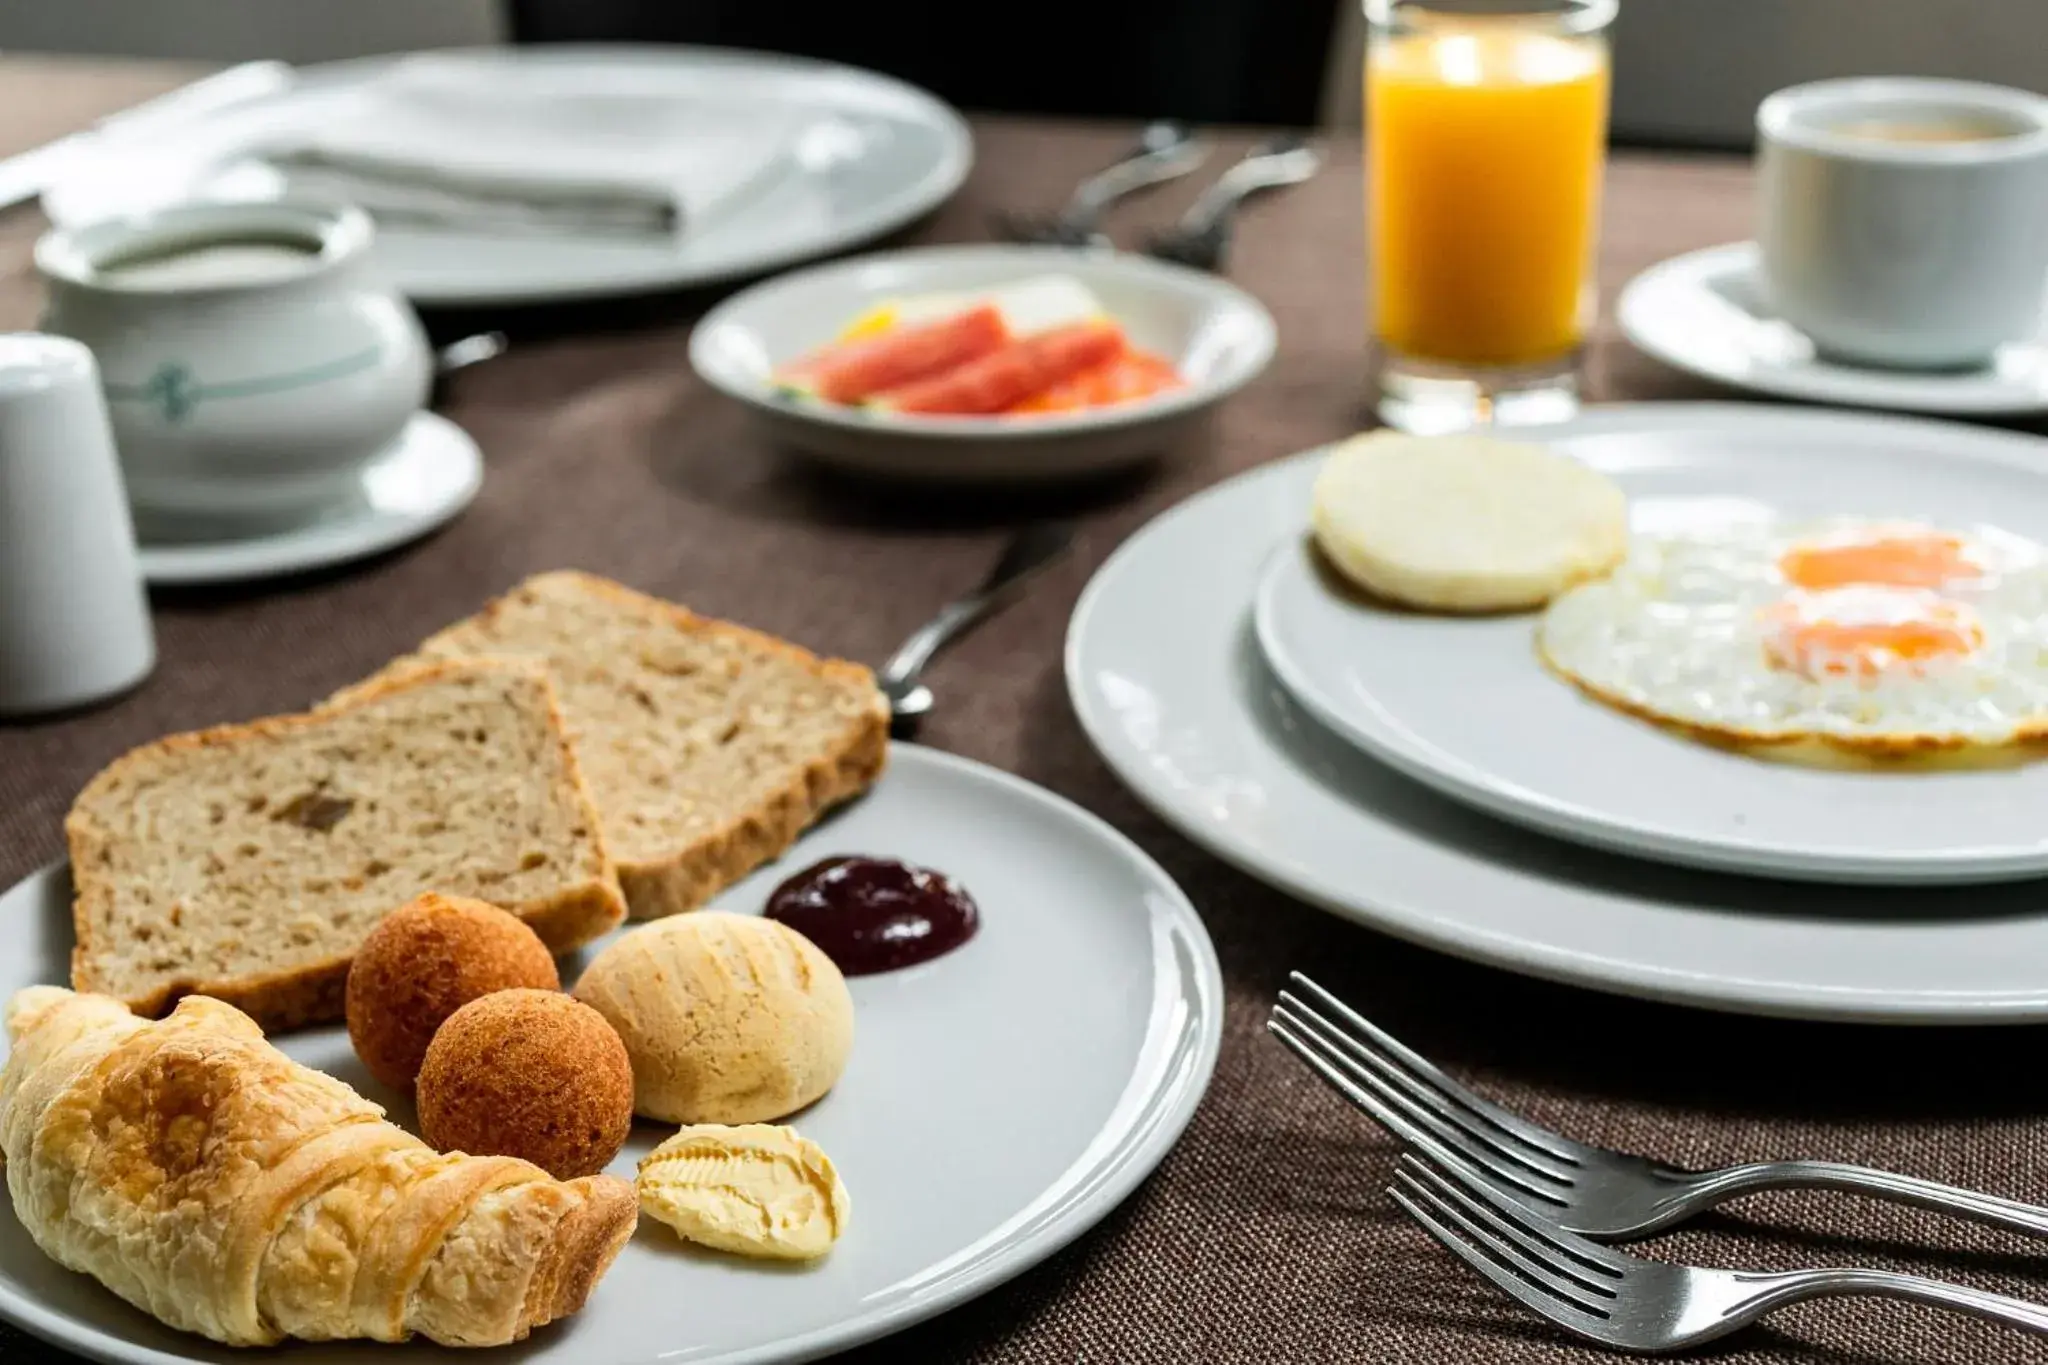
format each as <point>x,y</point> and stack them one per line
<point>1226,61</point>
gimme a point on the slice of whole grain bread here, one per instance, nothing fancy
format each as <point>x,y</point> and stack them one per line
<point>708,747</point>
<point>249,862</point>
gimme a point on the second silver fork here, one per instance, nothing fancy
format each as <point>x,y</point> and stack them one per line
<point>1202,237</point>
<point>1590,1190</point>
<point>1641,1305</point>
<point>1166,151</point>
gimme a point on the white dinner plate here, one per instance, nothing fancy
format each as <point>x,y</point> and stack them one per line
<point>1465,705</point>
<point>1706,313</point>
<point>1218,336</point>
<point>1000,1098</point>
<point>429,474</point>
<point>1171,687</point>
<point>873,155</point>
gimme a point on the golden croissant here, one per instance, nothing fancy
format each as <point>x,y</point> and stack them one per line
<point>210,1180</point>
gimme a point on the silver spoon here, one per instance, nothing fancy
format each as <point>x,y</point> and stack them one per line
<point>1033,549</point>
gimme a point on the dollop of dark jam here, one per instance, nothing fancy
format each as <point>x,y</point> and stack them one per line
<point>876,914</point>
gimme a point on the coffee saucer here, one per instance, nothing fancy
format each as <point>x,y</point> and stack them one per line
<point>1705,313</point>
<point>430,473</point>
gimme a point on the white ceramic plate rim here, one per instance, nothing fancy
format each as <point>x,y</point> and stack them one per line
<point>1611,828</point>
<point>1245,367</point>
<point>428,436</point>
<point>911,202</point>
<point>1964,393</point>
<point>1154,1121</point>
<point>1443,929</point>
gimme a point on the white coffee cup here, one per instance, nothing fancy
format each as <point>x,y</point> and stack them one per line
<point>74,619</point>
<point>1904,221</point>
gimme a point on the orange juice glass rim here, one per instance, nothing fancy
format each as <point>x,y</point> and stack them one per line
<point>1554,16</point>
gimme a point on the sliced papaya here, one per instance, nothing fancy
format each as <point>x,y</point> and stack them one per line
<point>1124,379</point>
<point>853,371</point>
<point>1006,377</point>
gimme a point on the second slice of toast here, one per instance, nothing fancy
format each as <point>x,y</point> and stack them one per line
<point>707,746</point>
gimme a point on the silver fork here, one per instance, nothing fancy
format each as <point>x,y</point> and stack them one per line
<point>1639,1305</point>
<point>1590,1190</point>
<point>1166,150</point>
<point>1202,237</point>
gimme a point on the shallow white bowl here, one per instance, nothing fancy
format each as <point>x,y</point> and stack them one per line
<point>1219,336</point>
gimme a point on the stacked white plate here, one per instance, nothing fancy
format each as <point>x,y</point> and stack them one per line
<point>1427,776</point>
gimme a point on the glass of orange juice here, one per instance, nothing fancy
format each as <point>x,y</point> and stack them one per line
<point>1485,135</point>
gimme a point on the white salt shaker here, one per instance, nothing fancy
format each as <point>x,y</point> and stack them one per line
<point>74,618</point>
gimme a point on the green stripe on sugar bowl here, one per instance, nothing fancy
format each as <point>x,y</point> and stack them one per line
<point>174,390</point>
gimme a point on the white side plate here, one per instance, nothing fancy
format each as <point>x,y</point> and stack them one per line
<point>1000,1099</point>
<point>1705,313</point>
<point>1170,685</point>
<point>876,155</point>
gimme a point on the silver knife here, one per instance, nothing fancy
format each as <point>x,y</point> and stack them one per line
<point>24,177</point>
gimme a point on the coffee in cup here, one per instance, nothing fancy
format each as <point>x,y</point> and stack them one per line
<point>1924,129</point>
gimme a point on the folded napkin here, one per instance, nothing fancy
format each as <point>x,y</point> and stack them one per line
<point>506,151</point>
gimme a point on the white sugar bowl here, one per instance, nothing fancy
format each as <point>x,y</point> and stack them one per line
<point>254,358</point>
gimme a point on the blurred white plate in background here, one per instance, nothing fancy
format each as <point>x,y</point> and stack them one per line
<point>863,155</point>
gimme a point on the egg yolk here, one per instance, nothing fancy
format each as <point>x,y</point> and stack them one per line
<point>1907,560</point>
<point>1865,631</point>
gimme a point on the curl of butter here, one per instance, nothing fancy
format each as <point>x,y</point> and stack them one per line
<point>755,1189</point>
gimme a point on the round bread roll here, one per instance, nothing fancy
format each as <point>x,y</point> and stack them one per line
<point>727,1018</point>
<point>1465,523</point>
<point>426,960</point>
<point>530,1074</point>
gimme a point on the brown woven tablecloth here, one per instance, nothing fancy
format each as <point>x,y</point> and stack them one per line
<point>1264,1236</point>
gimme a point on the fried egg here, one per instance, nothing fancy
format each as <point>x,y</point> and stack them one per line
<point>1880,636</point>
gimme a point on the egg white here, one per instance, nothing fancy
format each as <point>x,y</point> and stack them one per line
<point>1677,634</point>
